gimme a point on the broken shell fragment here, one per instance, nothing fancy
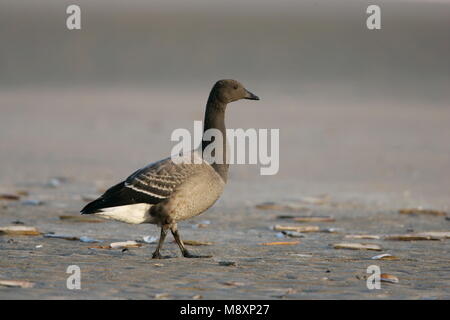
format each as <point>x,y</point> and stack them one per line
<point>16,283</point>
<point>417,211</point>
<point>61,236</point>
<point>119,245</point>
<point>362,236</point>
<point>280,243</point>
<point>297,228</point>
<point>388,278</point>
<point>125,244</point>
<point>436,234</point>
<point>150,239</point>
<point>384,256</point>
<point>431,235</point>
<point>293,234</point>
<point>357,246</point>
<point>162,296</point>
<point>19,230</point>
<point>408,237</point>
<point>89,240</point>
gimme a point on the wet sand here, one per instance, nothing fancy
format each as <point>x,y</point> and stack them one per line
<point>371,159</point>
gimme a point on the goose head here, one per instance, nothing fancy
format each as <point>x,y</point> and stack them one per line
<point>229,90</point>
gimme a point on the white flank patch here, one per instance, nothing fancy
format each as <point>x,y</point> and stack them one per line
<point>134,213</point>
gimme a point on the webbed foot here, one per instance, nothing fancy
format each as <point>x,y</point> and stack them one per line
<point>157,255</point>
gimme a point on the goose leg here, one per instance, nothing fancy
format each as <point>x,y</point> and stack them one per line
<point>180,243</point>
<point>157,254</point>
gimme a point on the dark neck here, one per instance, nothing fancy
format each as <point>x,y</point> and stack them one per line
<point>215,119</point>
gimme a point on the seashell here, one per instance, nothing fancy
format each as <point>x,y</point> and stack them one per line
<point>384,256</point>
<point>297,228</point>
<point>125,244</point>
<point>357,246</point>
<point>362,236</point>
<point>389,278</point>
<point>61,236</point>
<point>418,211</point>
<point>293,234</point>
<point>16,283</point>
<point>280,243</point>
<point>19,230</point>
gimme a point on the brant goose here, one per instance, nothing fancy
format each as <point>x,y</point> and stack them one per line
<point>166,192</point>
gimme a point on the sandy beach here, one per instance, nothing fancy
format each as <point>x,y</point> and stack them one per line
<point>357,164</point>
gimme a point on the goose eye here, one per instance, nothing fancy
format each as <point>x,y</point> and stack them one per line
<point>235,87</point>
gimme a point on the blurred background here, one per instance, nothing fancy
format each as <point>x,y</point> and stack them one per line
<point>359,111</point>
